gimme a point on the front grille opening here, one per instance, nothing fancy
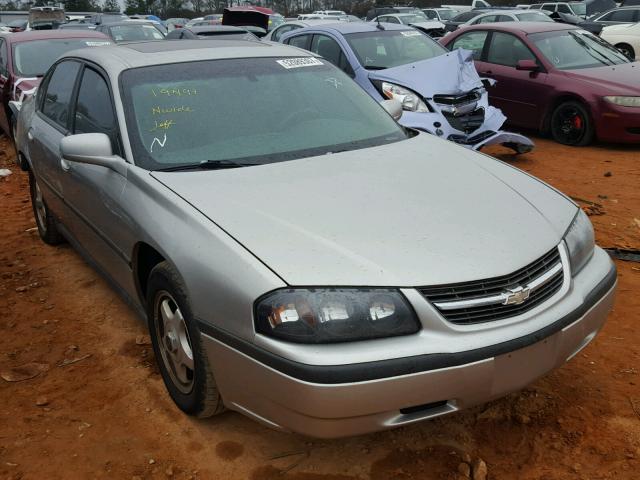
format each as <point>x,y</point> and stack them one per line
<point>495,286</point>
<point>424,408</point>
<point>468,122</point>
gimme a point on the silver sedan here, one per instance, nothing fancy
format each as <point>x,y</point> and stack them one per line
<point>299,257</point>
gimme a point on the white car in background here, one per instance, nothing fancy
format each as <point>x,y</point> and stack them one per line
<point>625,38</point>
<point>494,16</point>
<point>440,14</point>
<point>417,20</point>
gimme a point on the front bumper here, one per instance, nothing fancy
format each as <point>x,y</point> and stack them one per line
<point>488,134</point>
<point>342,400</point>
<point>617,124</point>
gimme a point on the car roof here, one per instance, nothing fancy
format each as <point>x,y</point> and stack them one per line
<point>32,35</point>
<point>134,21</point>
<point>523,27</point>
<point>115,58</point>
<point>215,28</point>
<point>514,11</point>
<point>358,27</point>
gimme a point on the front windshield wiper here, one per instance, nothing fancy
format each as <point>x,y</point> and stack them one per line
<point>205,165</point>
<point>590,49</point>
<point>374,67</point>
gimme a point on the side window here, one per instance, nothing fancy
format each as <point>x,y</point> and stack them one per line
<point>504,18</point>
<point>549,7</point>
<point>473,41</point>
<point>606,17</point>
<point>94,109</point>
<point>562,8</point>
<point>431,15</point>
<point>282,30</point>
<point>390,20</point>
<point>329,49</point>
<point>486,19</point>
<point>622,16</point>
<point>59,88</point>
<point>3,58</point>
<point>300,41</point>
<point>505,49</point>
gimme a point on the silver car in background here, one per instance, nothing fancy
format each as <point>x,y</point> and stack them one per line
<point>299,257</point>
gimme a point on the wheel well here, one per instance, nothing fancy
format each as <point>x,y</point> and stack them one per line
<point>145,257</point>
<point>546,122</point>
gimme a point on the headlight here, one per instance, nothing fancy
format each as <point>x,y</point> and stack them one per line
<point>308,315</point>
<point>624,101</point>
<point>580,241</point>
<point>410,101</point>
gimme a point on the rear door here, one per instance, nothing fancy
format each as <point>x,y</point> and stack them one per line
<point>4,85</point>
<point>518,93</point>
<point>49,125</point>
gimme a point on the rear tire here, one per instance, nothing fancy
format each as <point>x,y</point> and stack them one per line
<point>177,345</point>
<point>45,220</point>
<point>571,124</point>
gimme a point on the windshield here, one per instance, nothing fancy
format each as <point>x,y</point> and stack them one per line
<point>390,48</point>
<point>135,32</point>
<point>533,17</point>
<point>250,111</point>
<point>579,8</point>
<point>33,59</point>
<point>447,14</point>
<point>574,49</point>
<point>409,19</point>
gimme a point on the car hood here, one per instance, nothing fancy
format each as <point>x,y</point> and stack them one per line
<point>417,212</point>
<point>617,79</point>
<point>456,74</point>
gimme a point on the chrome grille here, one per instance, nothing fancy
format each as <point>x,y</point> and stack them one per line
<point>500,297</point>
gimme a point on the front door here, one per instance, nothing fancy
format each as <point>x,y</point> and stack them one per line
<point>92,192</point>
<point>517,93</point>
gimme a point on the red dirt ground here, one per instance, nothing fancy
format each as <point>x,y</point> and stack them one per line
<point>107,415</point>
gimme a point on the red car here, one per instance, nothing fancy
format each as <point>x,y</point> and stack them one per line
<point>556,78</point>
<point>26,56</point>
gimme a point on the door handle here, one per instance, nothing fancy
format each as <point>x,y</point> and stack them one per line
<point>488,72</point>
<point>65,165</point>
<point>30,133</point>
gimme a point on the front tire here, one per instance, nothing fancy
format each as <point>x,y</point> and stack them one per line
<point>627,50</point>
<point>571,124</point>
<point>177,345</point>
<point>45,220</point>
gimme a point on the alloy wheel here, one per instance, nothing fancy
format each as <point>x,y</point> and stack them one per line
<point>174,342</point>
<point>570,125</point>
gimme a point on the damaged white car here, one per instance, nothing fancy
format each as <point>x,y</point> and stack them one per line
<point>440,91</point>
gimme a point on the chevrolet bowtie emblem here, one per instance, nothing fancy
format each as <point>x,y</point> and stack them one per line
<point>516,296</point>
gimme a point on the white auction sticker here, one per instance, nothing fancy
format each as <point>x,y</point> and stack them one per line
<point>299,62</point>
<point>410,33</point>
<point>97,44</point>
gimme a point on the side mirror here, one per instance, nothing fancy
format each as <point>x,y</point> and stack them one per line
<point>92,149</point>
<point>527,65</point>
<point>393,108</point>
